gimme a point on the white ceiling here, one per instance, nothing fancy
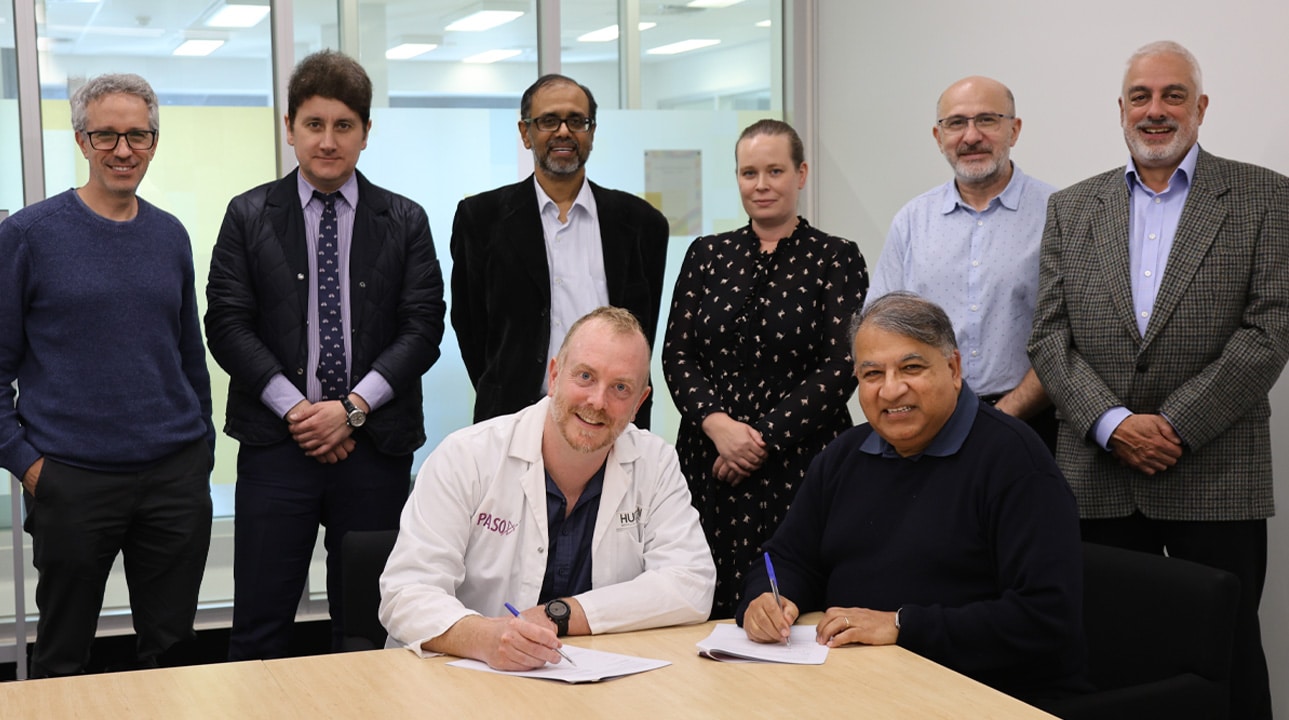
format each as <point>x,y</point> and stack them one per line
<point>153,28</point>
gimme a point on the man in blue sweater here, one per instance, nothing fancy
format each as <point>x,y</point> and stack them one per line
<point>111,432</point>
<point>942,525</point>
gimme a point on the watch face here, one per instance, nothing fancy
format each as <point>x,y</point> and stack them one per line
<point>557,609</point>
<point>357,418</point>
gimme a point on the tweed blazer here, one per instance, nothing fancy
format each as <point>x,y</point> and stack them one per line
<point>501,288</point>
<point>1216,341</point>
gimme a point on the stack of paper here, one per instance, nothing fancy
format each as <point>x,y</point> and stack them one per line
<point>729,643</point>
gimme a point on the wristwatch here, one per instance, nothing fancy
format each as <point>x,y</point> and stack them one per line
<point>356,417</point>
<point>558,611</point>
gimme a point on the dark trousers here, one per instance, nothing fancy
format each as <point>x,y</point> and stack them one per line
<point>158,519</point>
<point>282,496</point>
<point>1240,548</point>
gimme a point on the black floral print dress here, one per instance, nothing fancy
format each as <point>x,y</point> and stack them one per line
<point>762,337</point>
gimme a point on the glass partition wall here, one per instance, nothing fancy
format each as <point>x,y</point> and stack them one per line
<point>674,90</point>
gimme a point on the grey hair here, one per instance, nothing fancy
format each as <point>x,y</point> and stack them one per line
<point>124,83</point>
<point>1168,47</point>
<point>911,315</point>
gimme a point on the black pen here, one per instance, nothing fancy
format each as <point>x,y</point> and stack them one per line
<point>515,612</point>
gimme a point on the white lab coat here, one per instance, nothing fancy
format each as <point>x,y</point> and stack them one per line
<point>473,536</point>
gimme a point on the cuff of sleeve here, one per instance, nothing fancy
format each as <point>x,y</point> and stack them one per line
<point>1106,424</point>
<point>279,395</point>
<point>375,389</point>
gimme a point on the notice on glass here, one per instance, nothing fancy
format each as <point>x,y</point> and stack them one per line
<point>592,666</point>
<point>674,185</point>
<point>728,643</point>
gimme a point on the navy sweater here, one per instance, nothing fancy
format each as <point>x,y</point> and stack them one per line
<point>99,326</point>
<point>979,547</point>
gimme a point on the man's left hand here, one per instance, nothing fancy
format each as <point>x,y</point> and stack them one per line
<point>842,626</point>
<point>320,429</point>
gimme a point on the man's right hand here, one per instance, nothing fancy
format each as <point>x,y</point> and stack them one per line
<point>767,622</point>
<point>32,476</point>
<point>1146,443</point>
<point>516,644</point>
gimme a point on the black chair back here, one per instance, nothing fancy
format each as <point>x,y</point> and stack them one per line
<point>1159,633</point>
<point>362,559</point>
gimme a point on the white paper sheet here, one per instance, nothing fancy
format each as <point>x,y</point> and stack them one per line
<point>592,666</point>
<point>728,643</point>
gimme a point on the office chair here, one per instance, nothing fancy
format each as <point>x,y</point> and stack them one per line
<point>362,559</point>
<point>1159,633</point>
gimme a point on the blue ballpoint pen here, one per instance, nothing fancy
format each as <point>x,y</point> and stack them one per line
<point>774,588</point>
<point>515,612</point>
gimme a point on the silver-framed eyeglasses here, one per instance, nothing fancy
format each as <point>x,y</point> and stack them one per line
<point>551,123</point>
<point>984,122</point>
<point>109,139</point>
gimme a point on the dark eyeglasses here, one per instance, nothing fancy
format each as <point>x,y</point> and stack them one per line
<point>551,123</point>
<point>136,139</point>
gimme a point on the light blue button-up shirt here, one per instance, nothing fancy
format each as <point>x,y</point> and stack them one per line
<point>980,266</point>
<point>575,258</point>
<point>1155,216</point>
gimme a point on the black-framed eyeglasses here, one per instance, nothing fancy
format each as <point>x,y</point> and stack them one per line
<point>551,123</point>
<point>108,139</point>
<point>984,122</point>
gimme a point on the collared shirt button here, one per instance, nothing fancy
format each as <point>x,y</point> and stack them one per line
<point>1151,236</point>
<point>1145,313</point>
<point>1158,200</point>
<point>299,276</point>
<point>975,308</point>
<point>1149,273</point>
<point>980,223</point>
<point>975,263</point>
<point>975,353</point>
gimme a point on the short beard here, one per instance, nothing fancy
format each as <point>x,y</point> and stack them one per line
<point>561,413</point>
<point>1166,154</point>
<point>976,173</point>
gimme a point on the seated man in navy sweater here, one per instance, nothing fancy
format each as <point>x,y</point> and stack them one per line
<point>942,525</point>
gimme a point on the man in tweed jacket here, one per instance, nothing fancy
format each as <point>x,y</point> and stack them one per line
<point>1162,323</point>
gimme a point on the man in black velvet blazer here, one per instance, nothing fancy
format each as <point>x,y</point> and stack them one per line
<point>531,258</point>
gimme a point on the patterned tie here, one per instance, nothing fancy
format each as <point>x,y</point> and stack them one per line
<point>331,334</point>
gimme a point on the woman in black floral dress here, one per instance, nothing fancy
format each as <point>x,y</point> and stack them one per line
<point>756,355</point>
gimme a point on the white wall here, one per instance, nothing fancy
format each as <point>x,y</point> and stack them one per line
<point>883,64</point>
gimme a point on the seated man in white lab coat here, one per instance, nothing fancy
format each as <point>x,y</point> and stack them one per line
<point>564,510</point>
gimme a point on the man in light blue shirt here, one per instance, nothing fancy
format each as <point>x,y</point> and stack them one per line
<point>971,246</point>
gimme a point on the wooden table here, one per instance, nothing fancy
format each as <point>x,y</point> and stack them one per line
<point>867,682</point>
<point>227,690</point>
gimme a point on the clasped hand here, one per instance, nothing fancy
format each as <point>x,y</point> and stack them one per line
<point>1146,443</point>
<point>321,430</point>
<point>740,446</point>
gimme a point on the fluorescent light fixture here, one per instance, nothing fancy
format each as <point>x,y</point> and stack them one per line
<point>763,23</point>
<point>484,20</point>
<point>610,33</point>
<point>407,51</point>
<point>238,16</point>
<point>491,56</point>
<point>711,3</point>
<point>682,46</point>
<point>197,48</point>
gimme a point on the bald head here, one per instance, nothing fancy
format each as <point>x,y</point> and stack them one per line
<point>976,89</point>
